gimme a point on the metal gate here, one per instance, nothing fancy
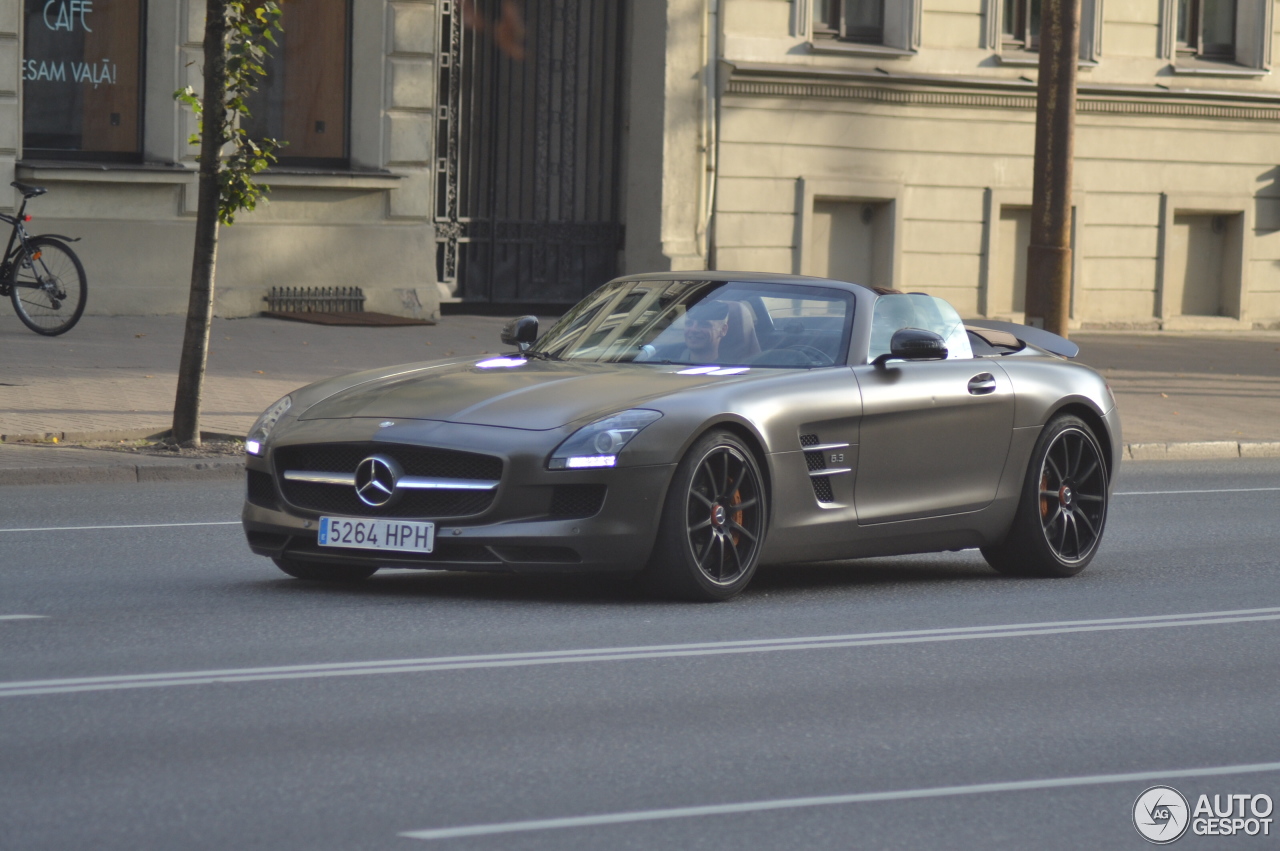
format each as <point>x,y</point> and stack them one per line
<point>528,143</point>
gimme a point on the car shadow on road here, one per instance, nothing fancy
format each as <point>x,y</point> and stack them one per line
<point>626,590</point>
<point>871,573</point>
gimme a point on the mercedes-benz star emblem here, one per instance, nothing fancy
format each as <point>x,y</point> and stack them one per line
<point>376,478</point>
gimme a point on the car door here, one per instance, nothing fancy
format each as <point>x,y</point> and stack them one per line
<point>934,434</point>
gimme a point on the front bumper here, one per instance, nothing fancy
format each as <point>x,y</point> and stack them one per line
<point>516,533</point>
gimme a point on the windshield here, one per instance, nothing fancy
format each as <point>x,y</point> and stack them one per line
<point>705,323</point>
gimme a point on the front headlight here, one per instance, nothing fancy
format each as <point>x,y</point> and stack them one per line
<point>598,444</point>
<point>256,442</point>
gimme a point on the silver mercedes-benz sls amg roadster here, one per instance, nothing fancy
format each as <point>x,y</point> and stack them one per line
<point>689,427</point>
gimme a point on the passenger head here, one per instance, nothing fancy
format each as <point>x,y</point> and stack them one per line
<point>704,327</point>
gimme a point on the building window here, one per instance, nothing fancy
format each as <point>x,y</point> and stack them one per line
<point>304,100</point>
<point>82,79</point>
<point>1022,24</point>
<point>850,20</point>
<point>1207,28</point>
<point>1013,29</point>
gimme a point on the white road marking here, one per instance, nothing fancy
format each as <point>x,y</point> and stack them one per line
<point>615,654</point>
<point>832,800</point>
<point>127,526</point>
<point>21,617</point>
<point>1214,490</point>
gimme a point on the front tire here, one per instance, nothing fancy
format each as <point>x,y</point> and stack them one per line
<point>1063,508</point>
<point>314,571</point>
<point>713,523</point>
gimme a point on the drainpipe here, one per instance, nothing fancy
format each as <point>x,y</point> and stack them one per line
<point>710,130</point>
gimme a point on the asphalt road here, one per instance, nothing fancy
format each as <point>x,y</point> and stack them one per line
<point>921,681</point>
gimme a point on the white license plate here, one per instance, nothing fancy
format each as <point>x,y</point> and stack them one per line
<point>412,536</point>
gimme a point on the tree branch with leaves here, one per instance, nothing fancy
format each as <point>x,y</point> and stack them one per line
<point>236,39</point>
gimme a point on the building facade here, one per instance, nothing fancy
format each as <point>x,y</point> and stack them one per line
<point>891,141</point>
<point>509,154</point>
<point>87,110</point>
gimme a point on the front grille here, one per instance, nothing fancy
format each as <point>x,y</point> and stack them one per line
<point>261,490</point>
<point>342,499</point>
<point>822,489</point>
<point>815,460</point>
<point>415,460</point>
<point>577,501</point>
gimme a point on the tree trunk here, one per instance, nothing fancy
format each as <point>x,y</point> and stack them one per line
<point>195,340</point>
<point>1048,299</point>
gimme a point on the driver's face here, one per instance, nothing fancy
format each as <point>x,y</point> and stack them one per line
<point>704,334</point>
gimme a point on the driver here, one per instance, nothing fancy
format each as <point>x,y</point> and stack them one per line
<point>704,327</point>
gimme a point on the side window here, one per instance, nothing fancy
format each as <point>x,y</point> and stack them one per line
<point>82,79</point>
<point>303,98</point>
<point>916,310</point>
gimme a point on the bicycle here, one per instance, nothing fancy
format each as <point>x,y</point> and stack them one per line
<point>41,274</point>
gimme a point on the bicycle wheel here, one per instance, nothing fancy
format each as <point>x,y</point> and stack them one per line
<point>49,287</point>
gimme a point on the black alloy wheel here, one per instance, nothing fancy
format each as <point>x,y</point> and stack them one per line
<point>1063,508</point>
<point>1073,495</point>
<point>713,523</point>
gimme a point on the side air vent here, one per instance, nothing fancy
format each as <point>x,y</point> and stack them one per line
<point>816,458</point>
<point>822,489</point>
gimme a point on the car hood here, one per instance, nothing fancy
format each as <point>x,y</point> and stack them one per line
<point>535,395</point>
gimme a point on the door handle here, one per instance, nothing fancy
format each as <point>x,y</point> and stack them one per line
<point>981,385</point>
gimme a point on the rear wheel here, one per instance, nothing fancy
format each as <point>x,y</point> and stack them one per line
<point>315,571</point>
<point>49,287</point>
<point>1063,508</point>
<point>713,523</point>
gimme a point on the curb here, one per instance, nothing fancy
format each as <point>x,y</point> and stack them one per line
<point>1201,450</point>
<point>90,436</point>
<point>117,473</point>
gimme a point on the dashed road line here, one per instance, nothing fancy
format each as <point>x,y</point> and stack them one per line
<point>1211,490</point>
<point>124,526</point>
<point>831,800</point>
<point>618,654</point>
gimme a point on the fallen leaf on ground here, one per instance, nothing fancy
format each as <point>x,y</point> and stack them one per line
<point>1164,395</point>
<point>259,372</point>
<point>137,336</point>
<point>148,376</point>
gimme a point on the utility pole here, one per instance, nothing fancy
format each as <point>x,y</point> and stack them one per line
<point>1049,255</point>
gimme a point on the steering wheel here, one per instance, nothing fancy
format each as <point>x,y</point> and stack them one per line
<point>817,357</point>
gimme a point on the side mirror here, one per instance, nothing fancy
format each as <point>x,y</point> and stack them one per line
<point>520,332</point>
<point>914,344</point>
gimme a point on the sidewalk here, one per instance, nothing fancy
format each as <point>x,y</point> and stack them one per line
<point>1180,395</point>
